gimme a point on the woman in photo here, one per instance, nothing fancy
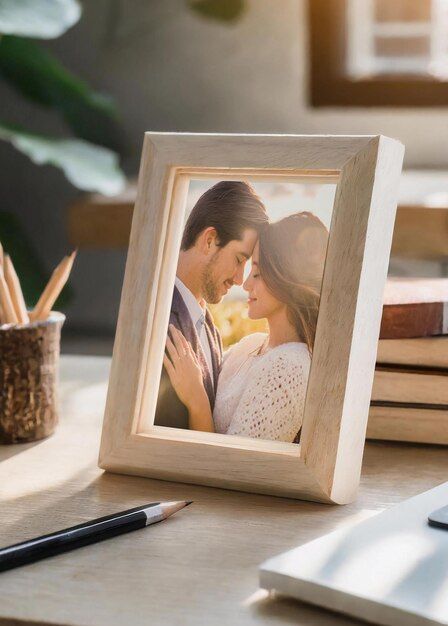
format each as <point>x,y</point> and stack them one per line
<point>262,384</point>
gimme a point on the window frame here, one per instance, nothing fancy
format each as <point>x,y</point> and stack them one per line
<point>329,86</point>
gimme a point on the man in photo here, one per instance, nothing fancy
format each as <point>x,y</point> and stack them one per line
<point>219,237</point>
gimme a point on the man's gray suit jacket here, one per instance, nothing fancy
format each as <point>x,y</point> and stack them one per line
<point>170,411</point>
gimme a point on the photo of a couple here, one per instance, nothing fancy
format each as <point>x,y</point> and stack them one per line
<point>256,387</point>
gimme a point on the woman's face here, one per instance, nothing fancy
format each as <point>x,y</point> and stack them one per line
<point>260,301</point>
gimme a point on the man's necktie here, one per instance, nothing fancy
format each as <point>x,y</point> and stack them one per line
<point>199,324</point>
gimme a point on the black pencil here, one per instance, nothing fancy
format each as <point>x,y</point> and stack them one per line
<point>86,533</point>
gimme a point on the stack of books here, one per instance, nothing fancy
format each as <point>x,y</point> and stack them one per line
<point>410,391</point>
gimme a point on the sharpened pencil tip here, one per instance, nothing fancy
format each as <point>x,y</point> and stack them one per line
<point>169,508</point>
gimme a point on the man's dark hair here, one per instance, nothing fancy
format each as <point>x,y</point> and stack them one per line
<point>229,207</point>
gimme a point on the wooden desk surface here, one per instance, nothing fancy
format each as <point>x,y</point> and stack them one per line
<point>199,567</point>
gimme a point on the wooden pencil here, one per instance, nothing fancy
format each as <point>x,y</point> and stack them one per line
<point>15,291</point>
<point>2,315</point>
<point>53,288</point>
<point>8,311</point>
<point>38,312</point>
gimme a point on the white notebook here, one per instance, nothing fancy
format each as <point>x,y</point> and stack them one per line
<point>390,569</point>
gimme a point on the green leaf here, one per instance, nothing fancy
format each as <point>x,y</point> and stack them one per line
<point>221,10</point>
<point>44,19</point>
<point>87,167</point>
<point>38,76</point>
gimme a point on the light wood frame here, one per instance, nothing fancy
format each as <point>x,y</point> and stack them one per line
<point>326,465</point>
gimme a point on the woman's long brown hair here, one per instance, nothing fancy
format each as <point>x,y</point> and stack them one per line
<point>292,259</point>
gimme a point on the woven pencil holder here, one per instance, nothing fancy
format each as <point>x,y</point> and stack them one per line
<point>29,373</point>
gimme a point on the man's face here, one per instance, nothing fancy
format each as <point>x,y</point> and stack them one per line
<point>226,266</point>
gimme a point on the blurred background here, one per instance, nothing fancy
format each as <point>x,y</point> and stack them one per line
<point>80,82</point>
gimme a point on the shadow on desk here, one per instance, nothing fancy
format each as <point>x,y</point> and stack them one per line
<point>8,451</point>
<point>284,610</point>
<point>37,507</point>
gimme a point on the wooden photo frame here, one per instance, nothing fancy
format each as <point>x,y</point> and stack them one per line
<point>326,465</point>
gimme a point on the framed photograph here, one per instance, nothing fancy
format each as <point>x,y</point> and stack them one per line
<point>249,320</point>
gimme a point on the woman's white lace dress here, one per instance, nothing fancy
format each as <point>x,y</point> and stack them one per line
<point>262,395</point>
